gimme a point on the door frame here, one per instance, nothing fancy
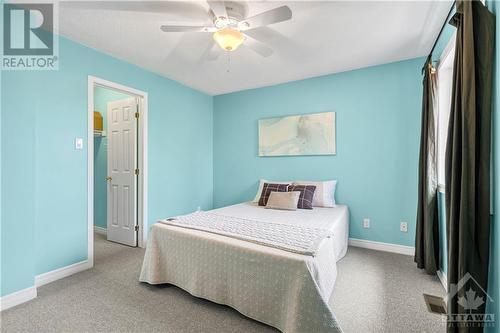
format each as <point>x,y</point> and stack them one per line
<point>142,153</point>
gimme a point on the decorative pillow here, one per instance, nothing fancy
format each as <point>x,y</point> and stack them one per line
<point>306,195</point>
<point>268,188</point>
<point>324,196</point>
<point>261,185</point>
<point>283,200</point>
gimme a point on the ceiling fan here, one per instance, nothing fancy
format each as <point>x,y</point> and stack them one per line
<point>230,22</point>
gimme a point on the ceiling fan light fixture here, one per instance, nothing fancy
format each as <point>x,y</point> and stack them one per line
<point>229,39</point>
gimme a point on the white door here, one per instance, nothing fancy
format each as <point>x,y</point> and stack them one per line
<point>122,180</point>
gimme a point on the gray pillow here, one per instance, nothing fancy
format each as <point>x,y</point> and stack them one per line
<point>283,200</point>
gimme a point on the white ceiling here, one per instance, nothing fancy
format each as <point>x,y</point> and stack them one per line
<point>323,37</point>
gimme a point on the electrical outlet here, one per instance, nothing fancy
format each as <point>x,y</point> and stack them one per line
<point>366,223</point>
<point>198,209</point>
<point>403,226</point>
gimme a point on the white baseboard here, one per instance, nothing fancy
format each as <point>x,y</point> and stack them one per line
<point>30,293</point>
<point>17,298</point>
<point>60,273</point>
<point>379,246</point>
<point>444,280</point>
<point>100,230</point>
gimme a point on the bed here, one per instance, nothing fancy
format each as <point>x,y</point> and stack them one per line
<point>286,290</point>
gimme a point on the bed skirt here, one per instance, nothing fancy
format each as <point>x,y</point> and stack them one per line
<point>282,289</point>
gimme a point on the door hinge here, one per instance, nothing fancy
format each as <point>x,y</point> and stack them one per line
<point>136,228</point>
<point>136,172</point>
<point>137,115</point>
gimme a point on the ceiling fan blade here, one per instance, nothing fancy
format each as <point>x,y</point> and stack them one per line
<point>258,47</point>
<point>186,28</point>
<point>272,16</point>
<point>218,8</point>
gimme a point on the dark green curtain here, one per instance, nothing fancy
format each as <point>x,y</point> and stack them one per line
<point>468,159</point>
<point>427,232</point>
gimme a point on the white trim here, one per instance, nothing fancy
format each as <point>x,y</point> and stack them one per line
<point>62,272</point>
<point>441,188</point>
<point>90,172</point>
<point>100,230</point>
<point>379,246</point>
<point>143,172</point>
<point>17,298</point>
<point>444,280</point>
<point>143,161</point>
<point>30,293</point>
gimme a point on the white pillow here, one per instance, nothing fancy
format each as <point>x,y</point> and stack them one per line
<point>324,195</point>
<point>261,185</point>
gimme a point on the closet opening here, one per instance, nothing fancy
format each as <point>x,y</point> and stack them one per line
<point>117,166</point>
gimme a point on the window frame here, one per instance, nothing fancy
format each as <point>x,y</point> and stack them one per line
<point>449,51</point>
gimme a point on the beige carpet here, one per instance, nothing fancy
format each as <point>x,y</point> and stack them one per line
<point>375,292</point>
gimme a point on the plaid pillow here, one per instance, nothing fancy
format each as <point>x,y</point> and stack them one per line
<point>268,188</point>
<point>306,195</point>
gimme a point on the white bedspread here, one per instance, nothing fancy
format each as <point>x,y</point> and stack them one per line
<point>286,290</point>
<point>294,238</point>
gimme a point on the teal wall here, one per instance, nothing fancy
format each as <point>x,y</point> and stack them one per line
<point>1,187</point>
<point>102,96</point>
<point>44,179</point>
<point>378,129</point>
<point>18,200</point>
<point>494,278</point>
<point>18,180</point>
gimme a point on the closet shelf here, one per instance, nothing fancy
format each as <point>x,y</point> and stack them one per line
<point>99,133</point>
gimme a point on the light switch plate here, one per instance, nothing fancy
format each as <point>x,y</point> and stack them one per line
<point>79,143</point>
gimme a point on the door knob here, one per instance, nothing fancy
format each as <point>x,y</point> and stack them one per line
<point>109,178</point>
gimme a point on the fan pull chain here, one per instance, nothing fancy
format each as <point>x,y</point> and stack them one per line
<point>228,63</point>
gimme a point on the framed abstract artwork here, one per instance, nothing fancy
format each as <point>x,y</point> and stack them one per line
<point>307,134</point>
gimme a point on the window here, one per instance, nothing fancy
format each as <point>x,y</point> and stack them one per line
<point>444,82</point>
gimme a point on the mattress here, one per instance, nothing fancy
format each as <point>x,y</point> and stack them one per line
<point>286,290</point>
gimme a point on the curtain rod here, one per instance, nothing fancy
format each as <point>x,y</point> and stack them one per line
<point>442,28</point>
